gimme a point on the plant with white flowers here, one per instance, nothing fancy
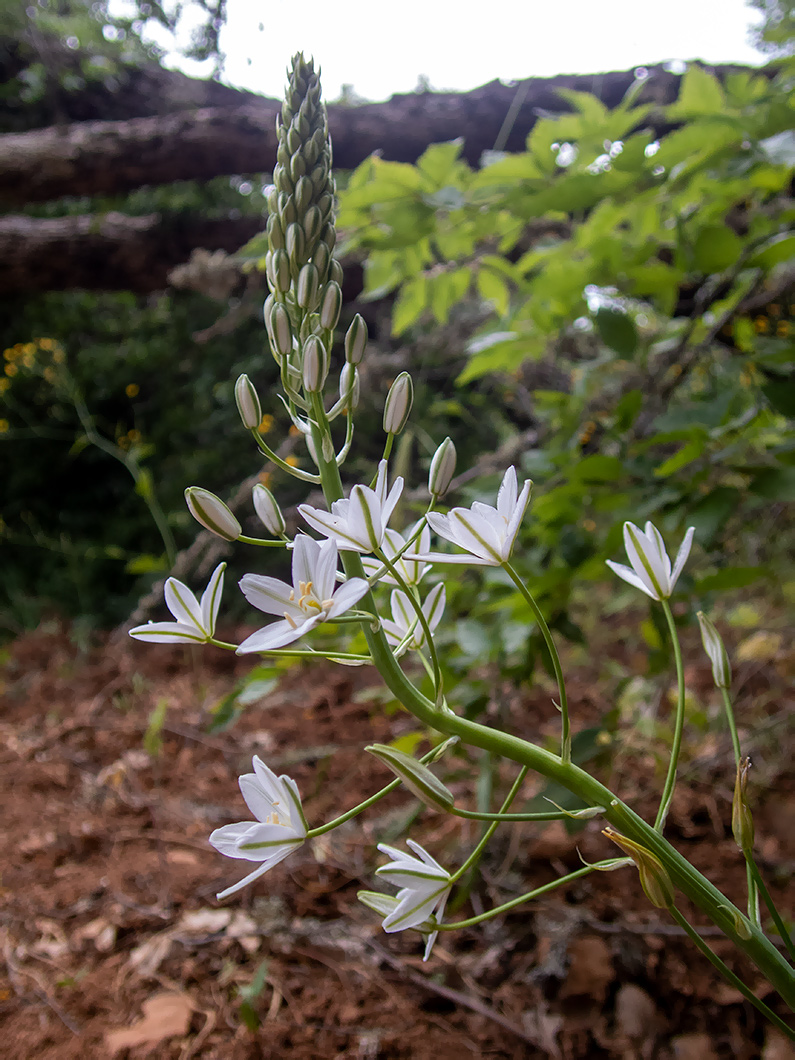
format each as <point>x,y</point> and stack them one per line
<point>365,575</point>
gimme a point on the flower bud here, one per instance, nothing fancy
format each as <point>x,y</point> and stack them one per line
<point>349,385</point>
<point>442,469</point>
<point>248,403</point>
<point>398,404</point>
<point>280,271</point>
<point>320,259</point>
<point>295,244</point>
<point>303,193</point>
<point>416,776</point>
<point>314,364</point>
<point>356,340</point>
<point>275,233</point>
<point>742,818</point>
<point>307,288</point>
<point>212,513</point>
<point>280,329</point>
<point>335,272</point>
<point>654,878</point>
<point>713,646</point>
<point>330,305</point>
<point>312,224</point>
<point>268,510</point>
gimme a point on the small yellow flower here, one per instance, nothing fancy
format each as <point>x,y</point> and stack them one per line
<point>3,426</point>
<point>11,369</point>
<point>761,325</point>
<point>4,385</point>
<point>589,525</point>
<point>292,461</point>
<point>58,356</point>
<point>294,432</point>
<point>47,344</point>
<point>29,349</point>
<point>10,354</point>
<point>49,374</point>
<point>134,436</point>
<point>266,424</point>
<point>783,329</point>
<point>28,360</point>
<point>132,390</point>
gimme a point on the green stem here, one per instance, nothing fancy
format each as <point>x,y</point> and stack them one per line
<point>298,653</point>
<point>565,738</point>
<point>548,815</point>
<point>473,857</point>
<point>329,825</point>
<point>679,723</point>
<point>727,703</point>
<point>777,920</point>
<point>537,893</point>
<point>261,541</point>
<point>728,974</point>
<point>684,876</point>
<point>296,472</point>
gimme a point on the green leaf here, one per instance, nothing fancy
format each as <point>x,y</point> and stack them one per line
<point>775,484</point>
<point>780,392</point>
<point>438,162</point>
<point>410,304</point>
<point>617,330</point>
<point>598,468</point>
<point>701,94</point>
<point>686,455</point>
<point>493,288</point>
<point>732,578</point>
<point>709,515</point>
<point>776,250</point>
<point>716,248</point>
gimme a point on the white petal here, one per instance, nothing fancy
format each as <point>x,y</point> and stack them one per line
<point>330,526</point>
<point>433,607</point>
<point>258,798</point>
<point>440,525</point>
<point>346,596</point>
<point>259,871</point>
<point>645,561</point>
<point>269,594</point>
<point>380,481</point>
<point>364,519</point>
<point>211,599</point>
<point>426,857</point>
<point>389,504</point>
<point>277,635</point>
<point>264,840</point>
<point>297,819</point>
<point>476,535</point>
<point>630,576</point>
<point>168,633</point>
<point>324,575</point>
<point>506,495</point>
<point>655,539</point>
<point>413,909</point>
<point>182,604</point>
<point>225,839</point>
<point>451,557</point>
<point>516,516</point>
<point>681,556</point>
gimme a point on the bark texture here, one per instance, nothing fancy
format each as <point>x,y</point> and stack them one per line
<point>113,157</point>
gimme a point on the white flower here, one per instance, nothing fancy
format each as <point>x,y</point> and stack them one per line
<point>713,646</point>
<point>279,828</point>
<point>195,620</point>
<point>357,523</point>
<point>410,570</point>
<point>306,603</point>
<point>405,623</point>
<point>651,568</point>
<point>488,534</point>
<point>424,889</point>
<point>384,905</point>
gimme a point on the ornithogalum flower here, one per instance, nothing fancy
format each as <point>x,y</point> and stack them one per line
<point>424,889</point>
<point>280,826</point>
<point>385,904</point>
<point>410,570</point>
<point>404,627</point>
<point>195,619</point>
<point>486,533</point>
<point>310,600</point>
<point>358,523</point>
<point>650,569</point>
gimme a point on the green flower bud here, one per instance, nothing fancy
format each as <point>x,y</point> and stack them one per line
<point>713,646</point>
<point>212,513</point>
<point>312,224</point>
<point>275,233</point>
<point>742,818</point>
<point>280,271</point>
<point>329,236</point>
<point>356,340</point>
<point>298,171</point>
<point>273,199</point>
<point>295,245</point>
<point>416,776</point>
<point>330,305</point>
<point>293,141</point>
<point>320,259</point>
<point>303,196</point>
<point>398,404</point>
<point>314,364</point>
<point>654,878</point>
<point>287,212</point>
<point>335,272</point>
<point>307,289</point>
<point>281,332</point>
<point>281,178</point>
<point>268,510</point>
<point>442,469</point>
<point>349,385</point>
<point>248,404</point>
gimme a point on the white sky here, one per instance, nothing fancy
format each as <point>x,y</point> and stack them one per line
<point>381,48</point>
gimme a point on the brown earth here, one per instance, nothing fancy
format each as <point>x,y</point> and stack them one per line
<point>114,945</point>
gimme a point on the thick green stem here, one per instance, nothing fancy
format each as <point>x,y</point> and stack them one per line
<point>727,973</point>
<point>684,876</point>
<point>679,723</point>
<point>565,737</point>
<point>768,900</point>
